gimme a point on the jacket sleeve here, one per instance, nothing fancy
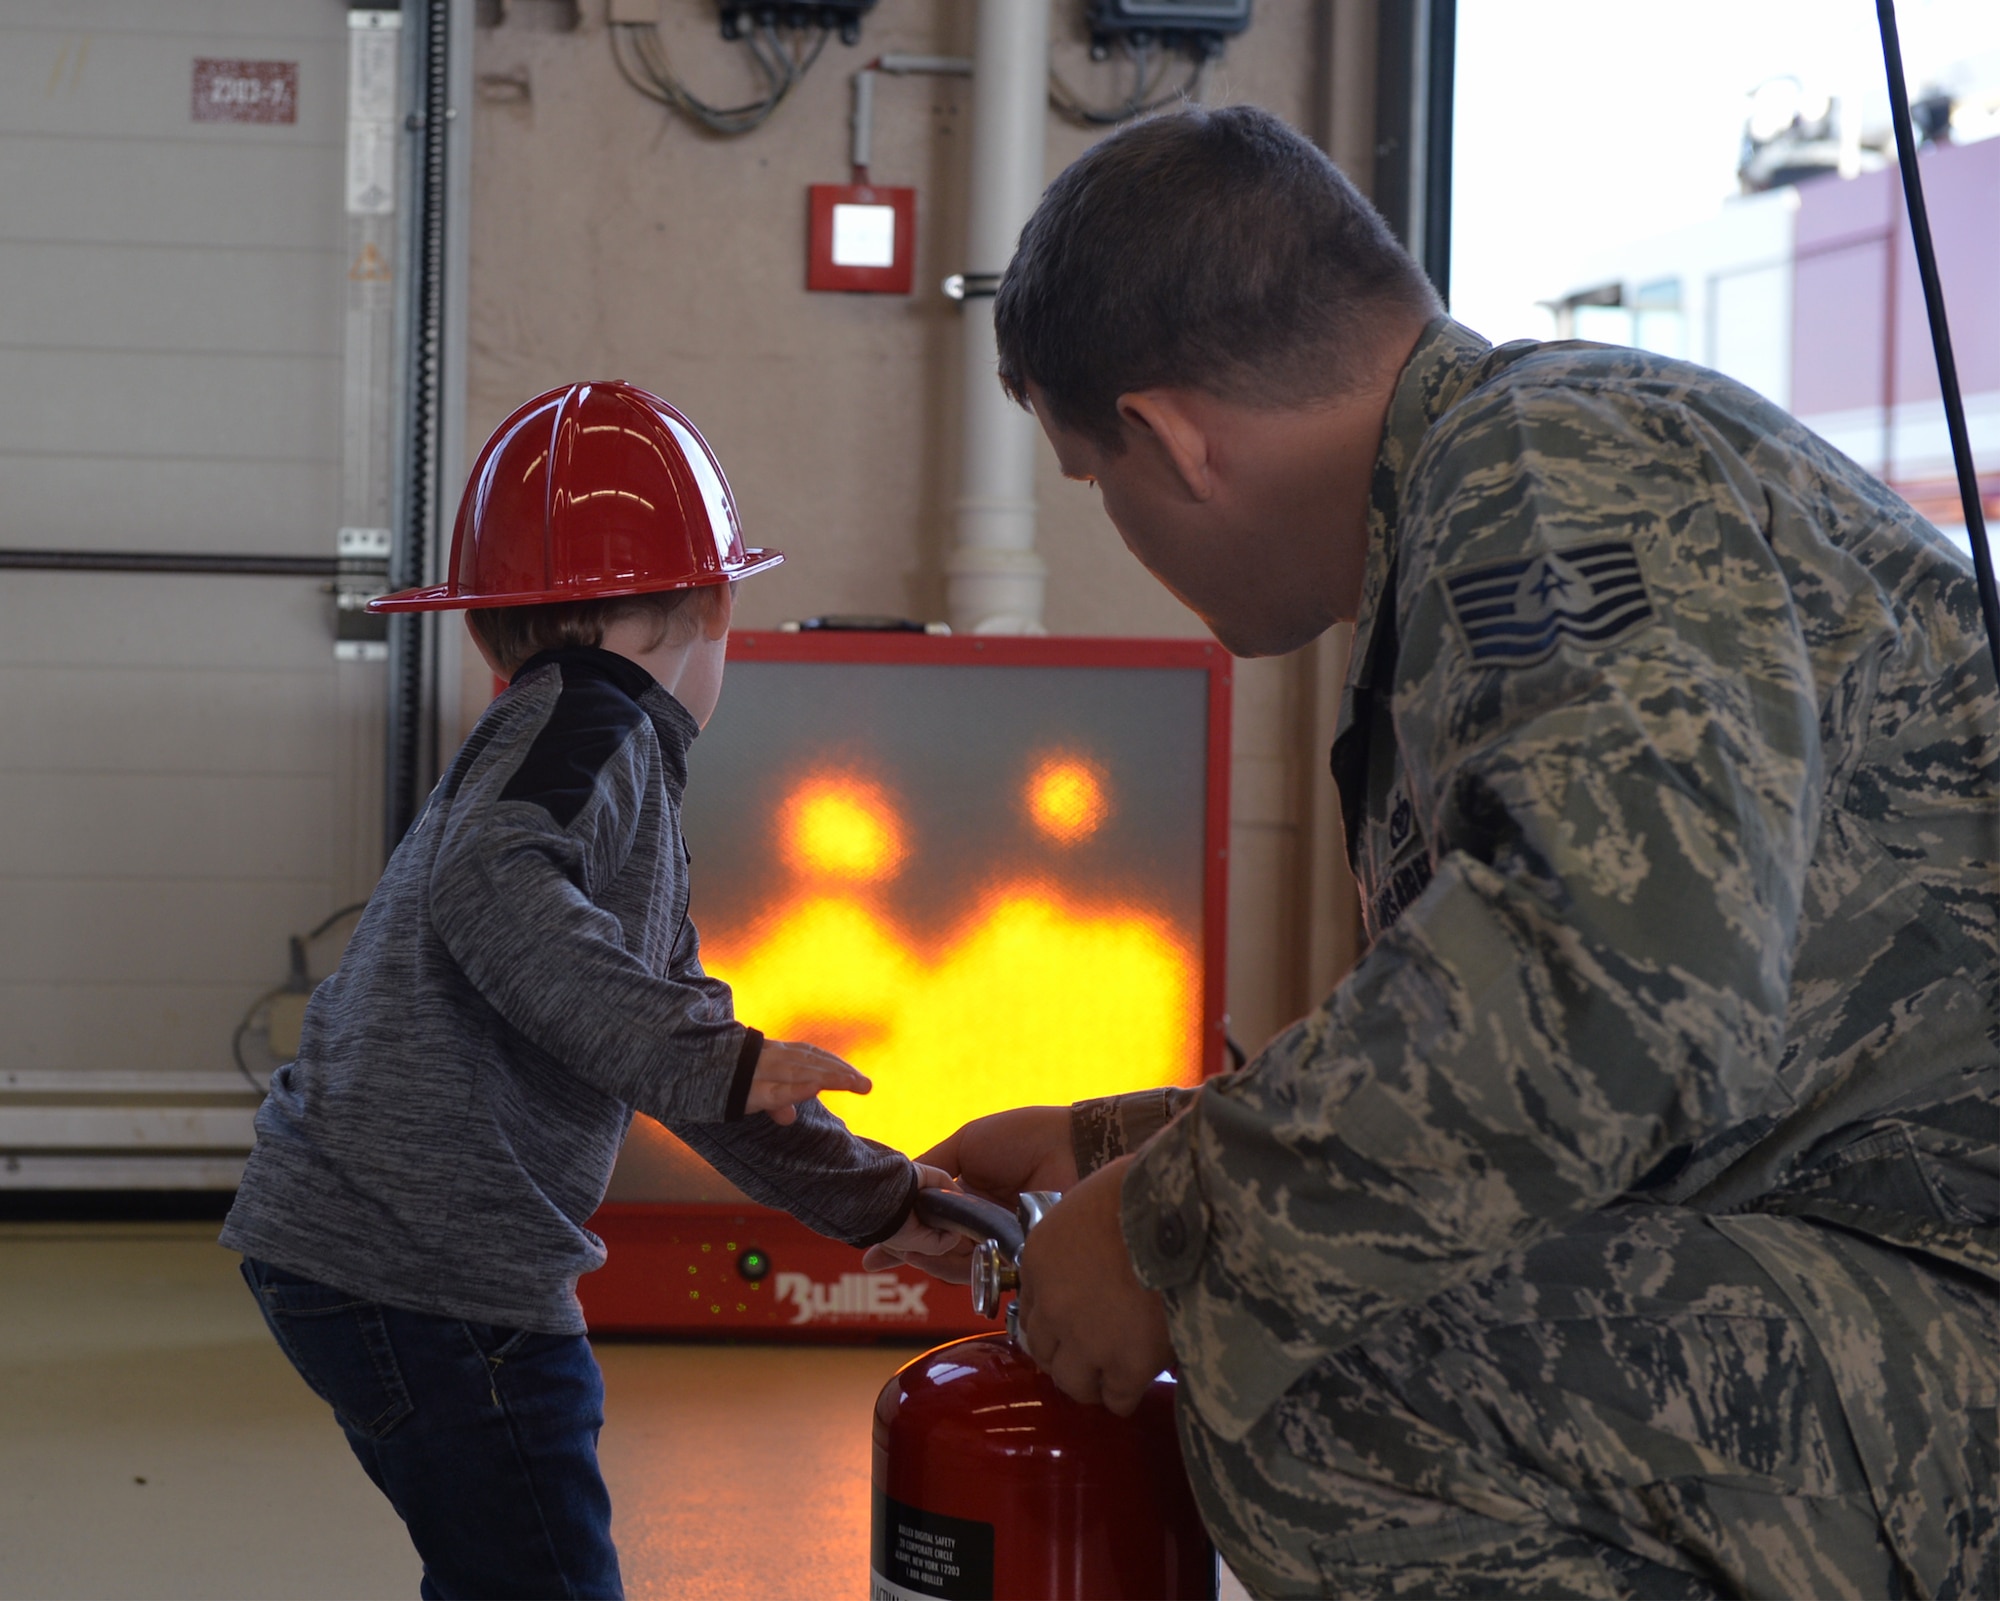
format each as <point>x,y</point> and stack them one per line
<point>1107,1127</point>
<point>1597,972</point>
<point>511,900</point>
<point>834,1182</point>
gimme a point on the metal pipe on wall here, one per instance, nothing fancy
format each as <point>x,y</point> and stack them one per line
<point>994,579</point>
<point>14,559</point>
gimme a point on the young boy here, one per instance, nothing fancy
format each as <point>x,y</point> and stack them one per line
<point>525,976</point>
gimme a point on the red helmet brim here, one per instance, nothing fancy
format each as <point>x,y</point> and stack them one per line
<point>449,597</point>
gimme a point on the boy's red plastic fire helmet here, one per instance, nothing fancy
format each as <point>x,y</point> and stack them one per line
<point>590,491</point>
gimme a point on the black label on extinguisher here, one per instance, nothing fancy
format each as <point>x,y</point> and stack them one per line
<point>920,1555</point>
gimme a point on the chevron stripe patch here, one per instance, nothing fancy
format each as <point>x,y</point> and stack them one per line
<point>1515,613</point>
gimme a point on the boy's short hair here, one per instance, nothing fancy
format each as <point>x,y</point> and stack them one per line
<point>517,634</point>
<point>1203,249</point>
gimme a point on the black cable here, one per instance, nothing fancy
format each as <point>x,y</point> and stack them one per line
<point>1954,402</point>
<point>645,86</point>
<point>243,1028</point>
<point>812,55</point>
<point>652,74</point>
<point>298,945</point>
<point>331,918</point>
<point>1142,100</point>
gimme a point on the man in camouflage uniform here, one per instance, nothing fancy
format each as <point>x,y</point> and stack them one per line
<point>1625,1223</point>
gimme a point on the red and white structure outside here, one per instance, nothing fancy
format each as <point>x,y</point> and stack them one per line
<point>1810,295</point>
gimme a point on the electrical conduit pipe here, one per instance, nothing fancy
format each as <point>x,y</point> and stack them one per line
<point>994,580</point>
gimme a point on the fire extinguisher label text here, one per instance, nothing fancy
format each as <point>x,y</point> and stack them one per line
<point>852,1295</point>
<point>925,1556</point>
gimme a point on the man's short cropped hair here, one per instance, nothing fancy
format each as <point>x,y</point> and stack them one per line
<point>1204,249</point>
<point>517,634</point>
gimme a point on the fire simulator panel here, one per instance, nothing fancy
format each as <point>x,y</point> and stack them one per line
<point>989,872</point>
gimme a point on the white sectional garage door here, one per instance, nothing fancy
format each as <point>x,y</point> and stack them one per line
<point>184,778</point>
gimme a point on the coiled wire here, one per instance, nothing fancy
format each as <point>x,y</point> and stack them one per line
<point>1145,96</point>
<point>642,62</point>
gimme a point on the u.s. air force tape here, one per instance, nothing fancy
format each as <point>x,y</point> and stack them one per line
<point>1514,613</point>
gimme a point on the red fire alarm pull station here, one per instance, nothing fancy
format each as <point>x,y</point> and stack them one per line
<point>861,237</point>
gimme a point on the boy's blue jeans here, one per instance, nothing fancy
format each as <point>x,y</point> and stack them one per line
<point>484,1439</point>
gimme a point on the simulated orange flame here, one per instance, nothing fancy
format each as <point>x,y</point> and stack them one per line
<point>1034,996</point>
<point>1067,800</point>
<point>844,829</point>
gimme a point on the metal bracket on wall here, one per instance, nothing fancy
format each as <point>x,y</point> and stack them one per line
<point>360,635</point>
<point>971,286</point>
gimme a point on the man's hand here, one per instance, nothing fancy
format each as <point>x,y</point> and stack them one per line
<point>1001,1155</point>
<point>998,1157</point>
<point>788,1073</point>
<point>1086,1320</point>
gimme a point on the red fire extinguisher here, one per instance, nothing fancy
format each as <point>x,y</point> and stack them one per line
<point>992,1484</point>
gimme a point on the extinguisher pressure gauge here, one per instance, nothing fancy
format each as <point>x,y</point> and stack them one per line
<point>994,1273</point>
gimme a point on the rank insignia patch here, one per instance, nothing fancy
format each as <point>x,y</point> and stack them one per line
<point>1514,613</point>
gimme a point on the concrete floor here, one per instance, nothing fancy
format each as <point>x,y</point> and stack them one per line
<point>154,1443</point>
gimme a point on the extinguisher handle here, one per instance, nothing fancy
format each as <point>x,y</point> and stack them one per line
<point>972,1217</point>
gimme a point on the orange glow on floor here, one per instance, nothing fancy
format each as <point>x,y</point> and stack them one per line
<point>1032,999</point>
<point>1066,799</point>
<point>842,828</point>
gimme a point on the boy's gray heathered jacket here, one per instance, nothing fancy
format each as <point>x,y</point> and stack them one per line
<point>524,977</point>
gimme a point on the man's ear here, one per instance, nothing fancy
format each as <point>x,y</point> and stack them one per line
<point>1167,416</point>
<point>718,606</point>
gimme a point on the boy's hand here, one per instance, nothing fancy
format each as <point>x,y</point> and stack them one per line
<point>997,1156</point>
<point>788,1073</point>
<point>943,1253</point>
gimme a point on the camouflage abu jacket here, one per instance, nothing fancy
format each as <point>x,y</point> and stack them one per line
<point>1670,754</point>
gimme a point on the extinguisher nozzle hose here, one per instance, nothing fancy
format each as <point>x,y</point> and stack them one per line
<point>974,1218</point>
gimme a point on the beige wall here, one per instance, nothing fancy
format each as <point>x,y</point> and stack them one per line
<point>612,239</point>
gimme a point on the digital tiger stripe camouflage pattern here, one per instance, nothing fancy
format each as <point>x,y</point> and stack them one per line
<point>1626,1222</point>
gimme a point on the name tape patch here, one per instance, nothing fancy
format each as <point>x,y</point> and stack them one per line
<point>1515,613</point>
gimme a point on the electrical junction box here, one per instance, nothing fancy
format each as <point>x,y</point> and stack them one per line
<point>1204,23</point>
<point>861,237</point>
<point>836,16</point>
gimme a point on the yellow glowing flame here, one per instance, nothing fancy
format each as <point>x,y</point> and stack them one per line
<point>842,828</point>
<point>1032,999</point>
<point>1066,799</point>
